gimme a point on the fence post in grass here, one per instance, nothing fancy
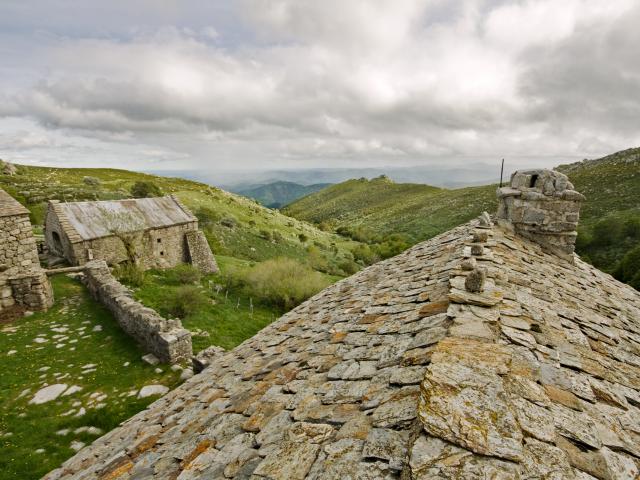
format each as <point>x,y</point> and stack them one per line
<point>251,306</point>
<point>238,304</point>
<point>226,295</point>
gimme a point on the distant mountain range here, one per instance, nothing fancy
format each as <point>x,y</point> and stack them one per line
<point>277,194</point>
<point>438,175</point>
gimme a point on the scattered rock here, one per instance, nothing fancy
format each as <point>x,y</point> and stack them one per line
<point>71,390</point>
<point>151,359</point>
<point>47,394</point>
<point>149,390</point>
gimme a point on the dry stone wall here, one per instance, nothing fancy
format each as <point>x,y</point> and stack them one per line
<point>22,281</point>
<point>166,339</point>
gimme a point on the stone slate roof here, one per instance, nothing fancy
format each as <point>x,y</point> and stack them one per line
<point>400,372</point>
<point>9,206</point>
<point>90,220</point>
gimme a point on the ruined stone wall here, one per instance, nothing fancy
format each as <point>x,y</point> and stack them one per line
<point>18,249</point>
<point>22,280</point>
<point>32,290</point>
<point>166,339</point>
<point>200,253</point>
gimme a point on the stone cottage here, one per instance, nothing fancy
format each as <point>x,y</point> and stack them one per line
<point>479,354</point>
<point>23,282</point>
<point>156,232</point>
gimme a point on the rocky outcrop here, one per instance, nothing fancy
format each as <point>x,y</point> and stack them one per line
<point>166,339</point>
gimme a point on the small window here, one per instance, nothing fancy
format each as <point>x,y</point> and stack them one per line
<point>159,240</point>
<point>534,180</point>
<point>161,253</point>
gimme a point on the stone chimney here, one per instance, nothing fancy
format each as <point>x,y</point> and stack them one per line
<point>542,206</point>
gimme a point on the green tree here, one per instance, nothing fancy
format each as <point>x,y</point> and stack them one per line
<point>145,190</point>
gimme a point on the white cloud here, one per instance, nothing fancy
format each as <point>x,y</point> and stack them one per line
<point>319,82</point>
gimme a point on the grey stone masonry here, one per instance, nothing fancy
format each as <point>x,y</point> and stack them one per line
<point>399,372</point>
<point>161,230</point>
<point>200,254</point>
<point>543,206</point>
<point>166,339</point>
<point>22,281</point>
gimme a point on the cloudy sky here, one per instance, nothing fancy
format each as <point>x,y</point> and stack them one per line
<point>256,84</point>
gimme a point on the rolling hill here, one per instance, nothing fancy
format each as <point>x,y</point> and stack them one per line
<point>278,194</point>
<point>609,218</point>
<point>235,226</point>
<point>417,210</point>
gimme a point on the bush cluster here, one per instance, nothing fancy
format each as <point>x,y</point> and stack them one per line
<point>130,274</point>
<point>186,300</point>
<point>283,282</point>
<point>145,190</point>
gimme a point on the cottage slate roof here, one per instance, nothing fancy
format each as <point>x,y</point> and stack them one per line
<point>9,206</point>
<point>400,372</point>
<point>91,220</point>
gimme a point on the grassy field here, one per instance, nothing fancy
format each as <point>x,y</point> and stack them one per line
<point>76,343</point>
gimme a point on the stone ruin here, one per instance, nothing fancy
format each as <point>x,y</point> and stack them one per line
<point>164,338</point>
<point>542,206</point>
<point>23,283</point>
<point>162,231</point>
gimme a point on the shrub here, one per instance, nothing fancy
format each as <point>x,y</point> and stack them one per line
<point>229,221</point>
<point>283,282</point>
<point>183,275</point>
<point>628,269</point>
<point>91,181</point>
<point>129,274</point>
<point>145,190</point>
<point>186,300</point>
<point>302,237</point>
<point>348,266</point>
<point>317,260</point>
<point>266,234</point>
<point>365,254</point>
<point>207,217</point>
<point>277,236</point>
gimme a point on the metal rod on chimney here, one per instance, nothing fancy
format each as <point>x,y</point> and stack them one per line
<point>501,171</point>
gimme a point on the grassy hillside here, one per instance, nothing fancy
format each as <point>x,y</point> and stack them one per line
<point>235,226</point>
<point>609,233</point>
<point>278,194</point>
<point>419,211</point>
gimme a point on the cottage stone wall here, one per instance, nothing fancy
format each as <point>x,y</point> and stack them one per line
<point>157,247</point>
<point>166,339</point>
<point>22,281</point>
<point>543,206</point>
<point>200,254</point>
